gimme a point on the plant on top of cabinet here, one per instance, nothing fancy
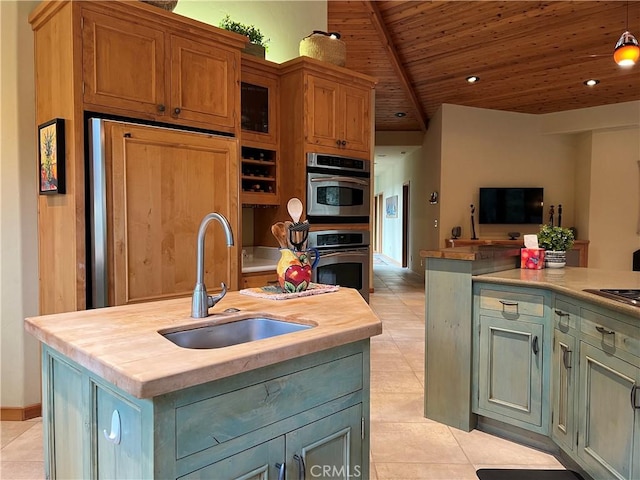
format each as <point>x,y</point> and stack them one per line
<point>258,44</point>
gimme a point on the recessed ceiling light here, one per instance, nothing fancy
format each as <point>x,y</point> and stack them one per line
<point>591,82</point>
<point>401,114</point>
<point>473,79</point>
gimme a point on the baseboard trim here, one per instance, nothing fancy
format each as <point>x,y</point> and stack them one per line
<point>17,414</point>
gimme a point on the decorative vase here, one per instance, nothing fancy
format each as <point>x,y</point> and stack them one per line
<point>555,259</point>
<point>294,270</point>
<point>321,46</point>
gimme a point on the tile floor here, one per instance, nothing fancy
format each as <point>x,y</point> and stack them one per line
<point>404,445</point>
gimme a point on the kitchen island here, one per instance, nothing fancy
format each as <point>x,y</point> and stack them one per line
<point>122,401</point>
<point>532,356</point>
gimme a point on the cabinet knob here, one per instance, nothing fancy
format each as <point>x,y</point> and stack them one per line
<point>161,108</point>
<point>343,143</point>
<point>176,110</point>
<point>338,142</point>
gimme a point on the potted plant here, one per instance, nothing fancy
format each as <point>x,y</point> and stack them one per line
<point>257,43</point>
<point>556,241</point>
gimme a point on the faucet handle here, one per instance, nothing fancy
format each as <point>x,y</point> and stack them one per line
<point>212,300</point>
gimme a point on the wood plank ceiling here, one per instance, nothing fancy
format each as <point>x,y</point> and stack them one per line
<point>531,56</point>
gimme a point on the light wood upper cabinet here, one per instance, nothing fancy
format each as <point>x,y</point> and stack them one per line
<point>338,115</point>
<point>204,82</point>
<point>154,73</point>
<point>123,64</point>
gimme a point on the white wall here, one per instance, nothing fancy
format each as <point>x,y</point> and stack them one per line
<point>585,159</point>
<point>614,202</point>
<point>285,23</point>
<point>19,352</point>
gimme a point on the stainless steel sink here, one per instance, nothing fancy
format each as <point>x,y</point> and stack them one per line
<point>232,333</point>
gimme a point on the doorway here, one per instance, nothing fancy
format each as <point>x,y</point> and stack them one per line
<point>378,208</point>
<point>405,225</point>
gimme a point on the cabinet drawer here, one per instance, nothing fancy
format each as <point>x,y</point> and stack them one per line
<point>511,303</point>
<point>609,333</point>
<point>565,315</point>
<point>241,411</point>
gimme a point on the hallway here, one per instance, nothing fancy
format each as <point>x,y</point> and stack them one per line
<point>404,445</point>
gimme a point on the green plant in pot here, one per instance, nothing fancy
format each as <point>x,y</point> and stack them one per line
<point>556,241</point>
<point>257,45</point>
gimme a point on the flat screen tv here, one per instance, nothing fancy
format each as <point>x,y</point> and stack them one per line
<point>510,206</point>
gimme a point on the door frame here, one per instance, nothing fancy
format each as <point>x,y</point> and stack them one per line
<point>405,224</point>
<point>378,207</point>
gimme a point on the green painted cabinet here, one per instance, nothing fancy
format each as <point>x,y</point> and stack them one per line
<point>564,368</point>
<point>307,414</point>
<point>608,397</point>
<point>512,355</point>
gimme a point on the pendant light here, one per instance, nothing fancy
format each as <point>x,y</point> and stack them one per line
<point>627,51</point>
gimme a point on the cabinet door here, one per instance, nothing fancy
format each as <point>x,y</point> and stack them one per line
<point>510,369</point>
<point>204,83</point>
<point>64,389</point>
<point>262,462</point>
<point>119,456</point>
<point>609,430</point>
<point>161,185</point>
<point>355,105</point>
<point>563,377</point>
<point>322,111</point>
<point>328,448</point>
<point>259,107</point>
<point>123,64</point>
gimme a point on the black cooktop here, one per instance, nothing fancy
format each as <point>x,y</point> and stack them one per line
<point>630,296</point>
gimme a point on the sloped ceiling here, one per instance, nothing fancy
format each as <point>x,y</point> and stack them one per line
<point>531,56</point>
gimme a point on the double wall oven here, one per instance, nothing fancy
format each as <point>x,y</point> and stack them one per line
<point>338,193</point>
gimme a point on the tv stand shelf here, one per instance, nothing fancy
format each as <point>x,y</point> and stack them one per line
<point>577,257</point>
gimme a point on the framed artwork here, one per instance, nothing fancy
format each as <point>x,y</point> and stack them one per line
<point>51,157</point>
<point>392,207</point>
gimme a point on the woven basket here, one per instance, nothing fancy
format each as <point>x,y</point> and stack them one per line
<point>325,48</point>
<point>164,4</point>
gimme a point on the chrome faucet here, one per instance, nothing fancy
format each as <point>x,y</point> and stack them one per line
<point>201,302</point>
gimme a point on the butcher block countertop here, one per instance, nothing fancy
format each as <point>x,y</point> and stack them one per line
<point>572,281</point>
<point>474,252</point>
<point>122,344</point>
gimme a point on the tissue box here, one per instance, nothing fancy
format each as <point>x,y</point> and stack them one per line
<point>532,258</point>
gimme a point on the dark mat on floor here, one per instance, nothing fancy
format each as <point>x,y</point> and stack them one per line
<point>514,474</point>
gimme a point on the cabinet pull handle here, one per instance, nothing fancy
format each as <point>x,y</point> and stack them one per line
<point>301,467</point>
<point>114,436</point>
<point>534,345</point>
<point>506,303</point>
<point>176,110</point>
<point>161,108</point>
<point>280,467</point>
<point>604,331</point>
<point>560,313</point>
<point>566,359</point>
<point>634,396</point>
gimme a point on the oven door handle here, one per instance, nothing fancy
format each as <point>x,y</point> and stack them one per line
<point>343,252</point>
<point>357,181</point>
